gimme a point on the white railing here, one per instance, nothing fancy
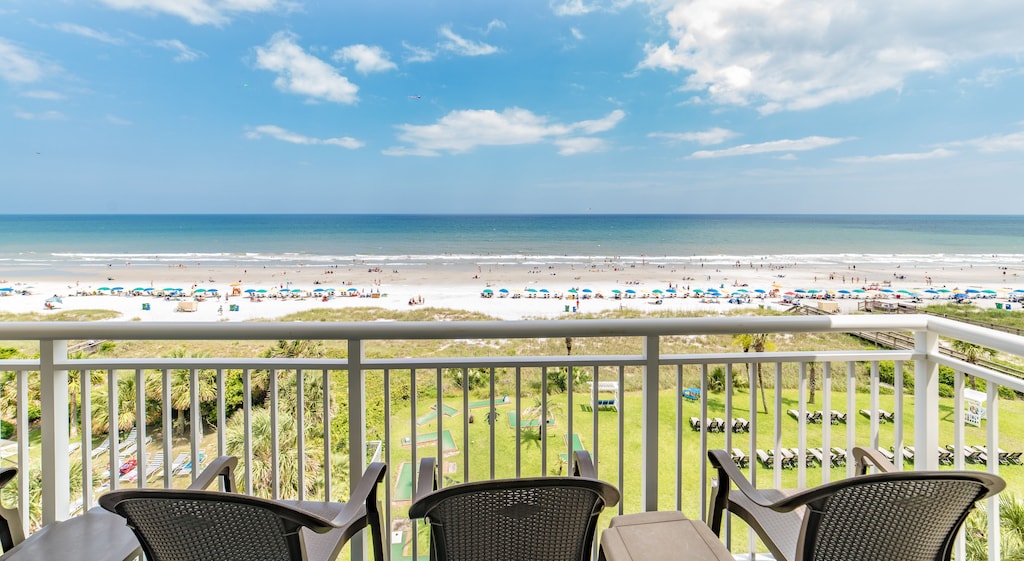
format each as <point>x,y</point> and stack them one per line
<point>644,387</point>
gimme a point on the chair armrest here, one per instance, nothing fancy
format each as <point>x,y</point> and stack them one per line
<point>429,478</point>
<point>867,457</point>
<point>224,468</point>
<point>728,472</point>
<point>583,465</point>
<point>364,501</point>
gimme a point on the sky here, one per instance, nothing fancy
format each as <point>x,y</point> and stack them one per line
<point>498,106</point>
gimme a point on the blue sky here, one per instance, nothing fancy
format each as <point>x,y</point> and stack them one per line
<point>561,106</point>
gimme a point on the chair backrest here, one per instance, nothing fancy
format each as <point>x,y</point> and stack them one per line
<point>542,518</point>
<point>910,515</point>
<point>11,530</point>
<point>176,524</point>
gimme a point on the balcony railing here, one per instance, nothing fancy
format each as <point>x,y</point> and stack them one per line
<point>324,418</point>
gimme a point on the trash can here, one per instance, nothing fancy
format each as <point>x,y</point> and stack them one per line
<point>1007,306</point>
<point>145,306</point>
<point>567,307</point>
<point>999,306</point>
<point>233,308</point>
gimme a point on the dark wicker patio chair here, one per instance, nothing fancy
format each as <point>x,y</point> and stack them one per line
<point>905,515</point>
<point>174,524</point>
<point>11,531</point>
<point>536,518</point>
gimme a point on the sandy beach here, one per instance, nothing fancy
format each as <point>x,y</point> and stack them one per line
<point>517,290</point>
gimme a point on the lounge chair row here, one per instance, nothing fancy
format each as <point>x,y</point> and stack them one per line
<point>790,457</point>
<point>883,415</point>
<point>818,416</point>
<point>719,424</point>
<point>980,454</point>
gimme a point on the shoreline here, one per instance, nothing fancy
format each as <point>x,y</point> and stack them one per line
<point>543,289</point>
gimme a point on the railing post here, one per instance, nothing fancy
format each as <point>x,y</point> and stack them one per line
<point>356,431</point>
<point>926,400</point>
<point>649,425</point>
<point>53,410</point>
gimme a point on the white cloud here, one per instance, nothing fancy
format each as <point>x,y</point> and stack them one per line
<point>284,135</point>
<point>571,8</point>
<point>18,65</point>
<point>579,145</point>
<point>48,95</point>
<point>786,145</point>
<point>1013,142</point>
<point>801,54</point>
<point>115,120</point>
<point>577,34</point>
<point>462,131</point>
<point>904,157</point>
<point>184,53</point>
<point>368,59</point>
<point>88,32</point>
<point>417,54</point>
<point>462,46</point>
<point>302,73</point>
<point>711,136</point>
<point>41,116</point>
<point>202,12</point>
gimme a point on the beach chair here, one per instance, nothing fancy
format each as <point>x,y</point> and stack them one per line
<point>766,459</point>
<point>1015,458</point>
<point>198,524</point>
<point>907,452</point>
<point>691,394</point>
<point>808,459</point>
<point>522,518</point>
<point>178,462</point>
<point>819,456</point>
<point>740,424</point>
<point>814,416</point>
<point>838,457</point>
<point>695,424</point>
<point>837,417</point>
<point>887,416</point>
<point>857,518</point>
<point>945,457</point>
<point>740,458</point>
<point>788,459</point>
<point>716,425</point>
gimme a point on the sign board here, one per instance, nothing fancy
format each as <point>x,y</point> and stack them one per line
<point>974,406</point>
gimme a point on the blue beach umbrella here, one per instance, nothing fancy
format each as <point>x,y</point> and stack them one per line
<point>318,290</point>
<point>6,289</point>
<point>250,290</point>
<point>503,291</point>
<point>843,291</point>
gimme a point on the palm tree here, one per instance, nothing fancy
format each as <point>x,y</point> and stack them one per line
<point>972,353</point>
<point>96,377</point>
<point>758,343</point>
<point>181,387</point>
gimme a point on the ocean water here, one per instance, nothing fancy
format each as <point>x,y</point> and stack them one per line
<point>59,242</point>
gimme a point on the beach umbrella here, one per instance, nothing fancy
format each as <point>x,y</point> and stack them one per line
<point>250,290</point>
<point>572,291</point>
<point>903,291</point>
<point>261,291</point>
<point>696,290</point>
<point>139,289</point>
<point>55,299</point>
<point>989,291</point>
<point>531,290</point>
<point>318,290</point>
<point>859,290</point>
<point>148,289</point>
<point>616,291</point>
<point>6,289</point>
<point>331,290</point>
<point>656,291</point>
<point>488,291</point>
<point>543,291</point>
<point>931,291</point>
<point>673,291</point>
<point>800,291</point>
<point>503,291</point>
<point>587,291</point>
<point>199,290</point>
<point>117,288</point>
<point>972,291</point>
<point>1019,290</point>
<point>103,288</point>
<point>211,290</point>
<point>844,291</point>
<point>887,290</point>
<point>296,290</point>
<point>630,291</point>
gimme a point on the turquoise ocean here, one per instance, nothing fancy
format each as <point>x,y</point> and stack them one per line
<point>56,243</point>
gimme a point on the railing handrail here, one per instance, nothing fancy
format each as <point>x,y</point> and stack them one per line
<point>270,331</point>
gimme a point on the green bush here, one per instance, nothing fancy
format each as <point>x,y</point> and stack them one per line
<point>946,390</point>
